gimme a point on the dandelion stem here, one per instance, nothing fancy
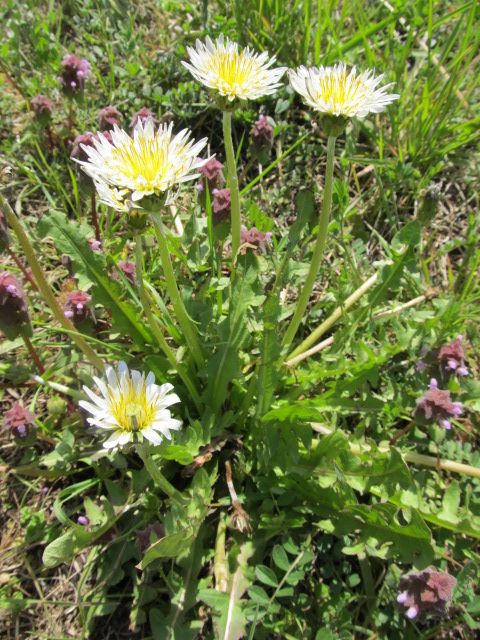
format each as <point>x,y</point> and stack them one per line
<point>44,286</point>
<point>157,332</point>
<point>188,328</point>
<point>155,473</point>
<point>232,181</point>
<point>319,246</point>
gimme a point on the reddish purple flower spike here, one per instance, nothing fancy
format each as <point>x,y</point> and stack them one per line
<point>14,319</point>
<point>108,117</point>
<point>76,307</point>
<point>129,269</point>
<point>221,205</point>
<point>42,108</point>
<point>437,404</point>
<point>261,138</point>
<point>426,592</point>
<point>19,420</point>
<point>75,70</point>
<point>212,176</point>
<point>4,233</point>
<point>95,245</point>
<point>142,115</point>
<point>255,238</point>
<point>452,357</point>
<point>83,140</point>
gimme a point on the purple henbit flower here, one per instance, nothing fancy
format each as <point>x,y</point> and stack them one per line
<point>212,174</point>
<point>142,115</point>
<point>221,205</point>
<point>83,140</point>
<point>129,270</point>
<point>75,70</point>
<point>42,108</point>
<point>19,420</point>
<point>427,592</point>
<point>108,117</point>
<point>4,233</point>
<point>437,404</point>
<point>95,245</point>
<point>261,139</point>
<point>76,306</point>
<point>255,238</point>
<point>83,520</point>
<point>14,318</point>
<point>452,357</point>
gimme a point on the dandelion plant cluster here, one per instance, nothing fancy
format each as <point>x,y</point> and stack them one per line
<point>193,280</point>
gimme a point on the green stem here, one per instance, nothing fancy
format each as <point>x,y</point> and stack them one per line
<point>157,476</point>
<point>232,182</point>
<point>157,332</point>
<point>334,317</point>
<point>188,328</point>
<point>319,246</point>
<point>43,285</point>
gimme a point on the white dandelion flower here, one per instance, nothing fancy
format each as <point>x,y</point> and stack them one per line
<point>151,162</point>
<point>233,72</point>
<point>132,406</point>
<point>341,92</point>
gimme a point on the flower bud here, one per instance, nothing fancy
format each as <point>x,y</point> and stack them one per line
<point>451,358</point>
<point>4,233</point>
<point>14,319</point>
<point>221,205</point>
<point>107,117</point>
<point>95,245</point>
<point>19,420</point>
<point>333,125</point>
<point>76,307</point>
<point>142,115</point>
<point>261,139</point>
<point>75,70</point>
<point>42,109</point>
<point>83,521</point>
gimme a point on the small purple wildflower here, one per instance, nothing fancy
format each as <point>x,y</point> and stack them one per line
<point>221,205</point>
<point>254,237</point>
<point>425,592</point>
<point>76,306</point>
<point>128,269</point>
<point>261,136</point>
<point>108,117</point>
<point>452,357</point>
<point>14,318</point>
<point>95,245</point>
<point>142,115</point>
<point>83,520</point>
<point>212,174</point>
<point>75,71</point>
<point>437,404</point>
<point>19,420</point>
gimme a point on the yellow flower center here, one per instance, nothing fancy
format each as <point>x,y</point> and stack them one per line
<point>132,410</point>
<point>339,88</point>
<point>146,163</point>
<point>233,69</point>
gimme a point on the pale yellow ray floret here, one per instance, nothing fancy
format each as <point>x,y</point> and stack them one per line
<point>132,406</point>
<point>233,72</point>
<point>152,162</point>
<point>340,91</point>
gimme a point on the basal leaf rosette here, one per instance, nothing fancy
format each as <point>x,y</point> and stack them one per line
<point>128,169</point>
<point>233,72</point>
<point>131,406</point>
